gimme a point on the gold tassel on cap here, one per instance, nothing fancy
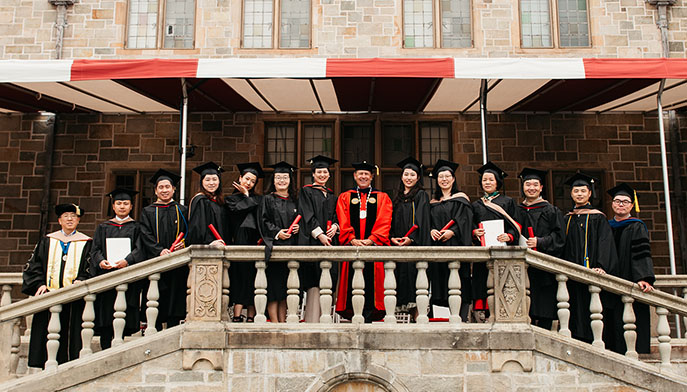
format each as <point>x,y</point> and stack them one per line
<point>636,203</point>
<point>377,167</point>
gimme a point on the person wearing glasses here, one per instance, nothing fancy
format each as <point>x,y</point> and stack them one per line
<point>634,263</point>
<point>60,259</point>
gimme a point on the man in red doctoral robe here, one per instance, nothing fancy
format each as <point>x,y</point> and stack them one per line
<point>364,216</point>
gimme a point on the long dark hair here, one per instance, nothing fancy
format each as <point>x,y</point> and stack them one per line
<point>293,192</point>
<point>400,195</point>
<point>217,195</point>
<point>438,193</point>
<point>252,191</point>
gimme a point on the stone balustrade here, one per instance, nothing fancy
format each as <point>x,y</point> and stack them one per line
<point>209,290</point>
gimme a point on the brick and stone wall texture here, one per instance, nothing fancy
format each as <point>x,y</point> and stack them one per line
<point>261,370</point>
<point>90,148</point>
<point>349,28</point>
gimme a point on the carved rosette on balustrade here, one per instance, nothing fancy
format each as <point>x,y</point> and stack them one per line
<point>205,294</point>
<point>510,290</point>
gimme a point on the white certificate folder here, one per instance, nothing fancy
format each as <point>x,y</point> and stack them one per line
<point>117,249</point>
<point>492,229</point>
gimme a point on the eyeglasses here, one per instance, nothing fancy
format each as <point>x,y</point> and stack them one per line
<point>622,202</point>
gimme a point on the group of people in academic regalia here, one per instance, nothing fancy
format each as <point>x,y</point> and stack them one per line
<point>361,216</point>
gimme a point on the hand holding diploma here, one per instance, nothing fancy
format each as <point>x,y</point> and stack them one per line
<point>532,240</point>
<point>218,239</point>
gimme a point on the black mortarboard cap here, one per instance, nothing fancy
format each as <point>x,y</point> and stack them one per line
<point>321,162</point>
<point>163,174</point>
<point>581,179</point>
<point>122,194</point>
<point>62,208</point>
<point>626,190</point>
<point>283,167</point>
<point>208,168</point>
<point>532,174</point>
<point>251,167</point>
<point>413,164</point>
<point>443,165</point>
<point>498,173</point>
<point>372,168</point>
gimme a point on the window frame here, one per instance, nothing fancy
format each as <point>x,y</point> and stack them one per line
<point>554,19</point>
<point>276,28</point>
<point>437,35</point>
<point>160,28</point>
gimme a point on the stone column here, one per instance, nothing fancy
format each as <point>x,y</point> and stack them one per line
<point>509,273</point>
<point>206,289</point>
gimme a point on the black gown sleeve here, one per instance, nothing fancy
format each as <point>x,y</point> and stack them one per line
<point>553,242</point>
<point>148,238</point>
<point>421,236</point>
<point>85,265</point>
<point>604,251</point>
<point>309,221</point>
<point>463,215</point>
<point>137,251</point>
<point>266,219</point>
<point>98,250</point>
<point>642,266</point>
<point>198,221</point>
<point>34,270</point>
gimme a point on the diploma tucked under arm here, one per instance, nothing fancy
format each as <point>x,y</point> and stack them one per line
<point>117,249</point>
<point>492,229</point>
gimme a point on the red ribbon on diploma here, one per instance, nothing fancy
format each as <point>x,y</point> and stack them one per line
<point>215,232</point>
<point>411,231</point>
<point>329,225</point>
<point>531,232</point>
<point>260,241</point>
<point>295,222</point>
<point>448,225</point>
<point>482,241</point>
<point>176,242</point>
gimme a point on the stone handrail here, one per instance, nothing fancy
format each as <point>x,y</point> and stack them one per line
<point>209,288</point>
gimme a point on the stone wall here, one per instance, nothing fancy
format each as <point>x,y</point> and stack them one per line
<point>355,28</point>
<point>88,148</point>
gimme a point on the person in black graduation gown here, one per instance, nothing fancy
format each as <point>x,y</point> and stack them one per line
<point>449,204</point>
<point>493,205</point>
<point>317,205</point>
<point>588,242</point>
<point>241,211</point>
<point>543,226</point>
<point>634,264</point>
<point>278,210</point>
<point>121,226</point>
<point>59,259</point>
<point>161,223</point>
<point>411,208</point>
<point>206,208</point>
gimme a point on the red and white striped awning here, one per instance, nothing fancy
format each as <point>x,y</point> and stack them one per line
<point>322,85</point>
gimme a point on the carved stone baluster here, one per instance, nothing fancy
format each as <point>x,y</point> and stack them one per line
<point>87,326</point>
<point>595,309</point>
<point>490,290</point>
<point>6,295</point>
<point>390,292</point>
<point>16,343</point>
<point>629,326</point>
<point>293,285</point>
<point>53,344</point>
<point>422,292</point>
<point>28,320</point>
<point>528,299</point>
<point>663,330</point>
<point>260,292</point>
<point>563,297</point>
<point>225,291</point>
<point>326,292</point>
<point>152,311</point>
<point>454,293</point>
<point>119,315</point>
<point>358,292</point>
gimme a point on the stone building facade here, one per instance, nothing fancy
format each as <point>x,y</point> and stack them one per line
<point>92,151</point>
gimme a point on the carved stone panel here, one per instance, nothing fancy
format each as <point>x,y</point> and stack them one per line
<point>205,278</point>
<point>510,297</point>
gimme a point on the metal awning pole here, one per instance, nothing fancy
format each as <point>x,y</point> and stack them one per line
<point>184,123</point>
<point>666,193</point>
<point>483,118</point>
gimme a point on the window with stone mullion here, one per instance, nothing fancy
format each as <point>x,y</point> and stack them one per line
<point>573,23</point>
<point>142,24</point>
<point>258,18</point>
<point>535,23</point>
<point>418,24</point>
<point>179,24</point>
<point>294,24</point>
<point>456,24</point>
